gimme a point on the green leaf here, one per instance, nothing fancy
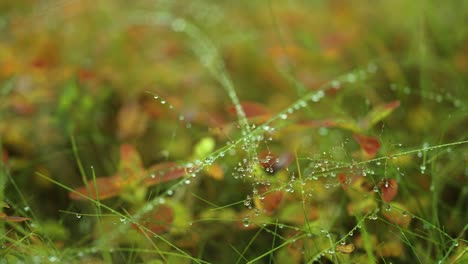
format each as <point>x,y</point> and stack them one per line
<point>204,147</point>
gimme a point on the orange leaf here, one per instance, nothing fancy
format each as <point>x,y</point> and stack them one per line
<point>215,171</point>
<point>370,145</point>
<point>268,201</point>
<point>397,214</point>
<point>389,189</point>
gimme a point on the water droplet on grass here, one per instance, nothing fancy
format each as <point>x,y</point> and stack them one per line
<point>388,207</point>
<point>422,168</point>
<point>246,222</point>
<point>373,217</point>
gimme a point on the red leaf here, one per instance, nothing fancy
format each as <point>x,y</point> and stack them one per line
<point>16,219</point>
<point>112,186</point>
<point>164,172</point>
<point>369,145</point>
<point>158,220</point>
<point>344,180</point>
<point>389,189</point>
<point>107,187</point>
<point>251,109</point>
<point>85,75</point>
<point>131,172</point>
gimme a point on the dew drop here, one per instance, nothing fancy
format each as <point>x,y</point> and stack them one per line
<point>422,168</point>
<point>388,207</point>
<point>246,222</point>
<point>376,189</point>
<point>78,216</point>
<point>373,217</point>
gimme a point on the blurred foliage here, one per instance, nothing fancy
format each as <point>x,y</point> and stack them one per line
<point>234,131</point>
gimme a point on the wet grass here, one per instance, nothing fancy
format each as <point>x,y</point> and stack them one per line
<point>212,132</point>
